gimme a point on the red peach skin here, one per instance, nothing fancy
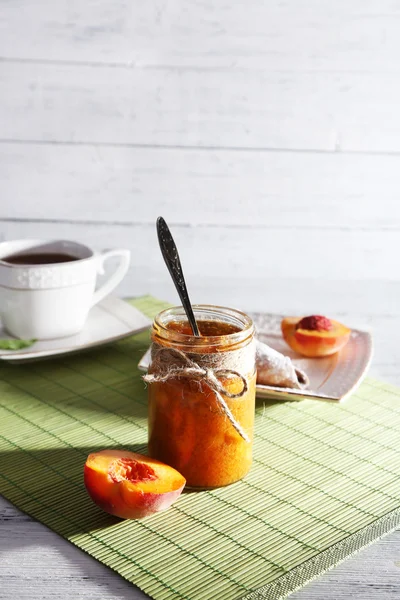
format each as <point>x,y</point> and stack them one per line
<point>130,485</point>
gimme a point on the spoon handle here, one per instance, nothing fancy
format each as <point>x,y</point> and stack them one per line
<point>171,257</point>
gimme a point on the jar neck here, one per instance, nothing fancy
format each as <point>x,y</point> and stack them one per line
<point>169,325</point>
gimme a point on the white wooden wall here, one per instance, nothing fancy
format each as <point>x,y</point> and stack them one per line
<point>266,133</point>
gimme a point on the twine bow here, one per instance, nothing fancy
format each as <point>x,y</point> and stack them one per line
<point>192,370</point>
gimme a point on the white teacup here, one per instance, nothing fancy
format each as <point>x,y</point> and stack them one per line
<point>45,301</point>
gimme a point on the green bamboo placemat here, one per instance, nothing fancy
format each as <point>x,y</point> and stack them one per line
<point>324,483</point>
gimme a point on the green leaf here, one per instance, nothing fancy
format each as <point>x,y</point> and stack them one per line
<point>15,344</point>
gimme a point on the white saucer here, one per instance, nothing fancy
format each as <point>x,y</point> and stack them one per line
<point>112,319</point>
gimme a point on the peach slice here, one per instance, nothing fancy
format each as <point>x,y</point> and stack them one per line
<point>314,336</point>
<point>130,485</point>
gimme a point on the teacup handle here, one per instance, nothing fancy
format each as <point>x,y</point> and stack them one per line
<point>116,277</point>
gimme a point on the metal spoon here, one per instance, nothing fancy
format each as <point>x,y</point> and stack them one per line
<point>171,257</point>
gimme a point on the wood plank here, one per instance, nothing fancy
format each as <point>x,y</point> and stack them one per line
<point>36,563</point>
<point>282,190</point>
<point>39,565</point>
<point>245,253</point>
<point>292,35</point>
<point>247,109</point>
<point>238,268</point>
<point>372,574</point>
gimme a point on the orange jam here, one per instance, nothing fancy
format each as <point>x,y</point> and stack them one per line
<point>206,328</point>
<point>188,428</point>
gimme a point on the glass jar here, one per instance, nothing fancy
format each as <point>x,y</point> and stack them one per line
<point>202,394</point>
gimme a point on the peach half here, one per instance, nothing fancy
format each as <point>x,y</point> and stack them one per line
<point>130,485</point>
<point>314,336</point>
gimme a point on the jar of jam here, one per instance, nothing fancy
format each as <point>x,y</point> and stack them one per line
<point>202,394</point>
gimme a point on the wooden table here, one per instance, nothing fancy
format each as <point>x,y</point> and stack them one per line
<point>266,133</point>
<point>37,564</point>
